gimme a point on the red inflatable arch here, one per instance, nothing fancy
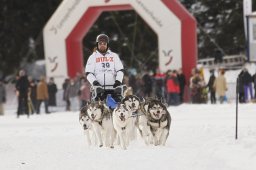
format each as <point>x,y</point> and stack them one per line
<point>63,34</point>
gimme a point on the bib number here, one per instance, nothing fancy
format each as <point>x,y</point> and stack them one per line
<point>105,65</point>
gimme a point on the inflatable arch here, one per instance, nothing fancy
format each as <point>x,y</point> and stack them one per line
<point>64,32</point>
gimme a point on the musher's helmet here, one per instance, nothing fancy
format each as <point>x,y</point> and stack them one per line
<point>102,37</point>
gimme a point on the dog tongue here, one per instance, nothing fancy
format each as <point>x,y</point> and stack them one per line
<point>157,115</point>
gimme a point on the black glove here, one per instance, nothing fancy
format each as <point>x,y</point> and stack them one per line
<point>99,91</point>
<point>96,83</point>
<point>117,83</point>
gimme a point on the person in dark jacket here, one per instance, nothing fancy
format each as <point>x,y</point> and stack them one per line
<point>182,83</point>
<point>159,79</point>
<point>211,88</point>
<point>218,56</point>
<point>254,82</point>
<point>147,84</point>
<point>65,98</point>
<point>2,97</point>
<point>247,79</point>
<point>22,89</point>
<point>52,90</point>
<point>241,87</point>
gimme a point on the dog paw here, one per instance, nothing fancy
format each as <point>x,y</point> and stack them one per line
<point>112,147</point>
<point>100,145</point>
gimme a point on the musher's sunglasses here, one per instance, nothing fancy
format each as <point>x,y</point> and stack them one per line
<point>102,43</point>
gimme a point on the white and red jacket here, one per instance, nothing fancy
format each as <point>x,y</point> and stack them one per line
<point>106,69</point>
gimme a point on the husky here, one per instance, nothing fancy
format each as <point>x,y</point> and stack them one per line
<point>101,118</point>
<point>132,102</point>
<point>122,124</point>
<point>159,120</point>
<point>139,119</point>
<point>86,123</point>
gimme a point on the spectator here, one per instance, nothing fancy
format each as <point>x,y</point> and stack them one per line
<point>247,80</point>
<point>159,84</point>
<point>2,97</point>
<point>65,95</point>
<point>52,90</point>
<point>22,89</point>
<point>196,86</point>
<point>139,85</point>
<point>147,84</point>
<point>182,83</point>
<point>173,88</point>
<point>32,95</point>
<point>220,85</point>
<point>193,73</point>
<point>42,95</point>
<point>254,82</point>
<point>211,88</point>
<point>218,57</point>
<point>72,94</point>
<point>241,87</point>
<point>85,95</point>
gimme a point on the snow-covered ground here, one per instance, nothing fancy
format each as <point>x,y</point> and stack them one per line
<point>202,137</point>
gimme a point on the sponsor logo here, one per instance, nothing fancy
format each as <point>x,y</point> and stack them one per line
<point>53,62</point>
<point>150,12</point>
<point>167,53</point>
<point>104,59</point>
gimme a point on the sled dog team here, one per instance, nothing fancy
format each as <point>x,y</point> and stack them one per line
<point>105,127</point>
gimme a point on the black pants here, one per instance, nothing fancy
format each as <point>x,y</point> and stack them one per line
<point>213,97</point>
<point>68,105</point>
<point>22,105</point>
<point>39,104</point>
<point>181,94</point>
<point>241,98</point>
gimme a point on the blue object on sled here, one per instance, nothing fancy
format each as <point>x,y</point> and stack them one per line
<point>111,103</point>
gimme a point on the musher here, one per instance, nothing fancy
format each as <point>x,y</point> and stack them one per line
<point>105,71</point>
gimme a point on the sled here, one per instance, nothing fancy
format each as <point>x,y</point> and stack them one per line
<point>108,93</point>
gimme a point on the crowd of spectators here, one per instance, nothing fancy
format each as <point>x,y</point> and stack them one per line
<point>169,87</point>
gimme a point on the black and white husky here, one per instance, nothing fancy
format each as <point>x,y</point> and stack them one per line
<point>86,123</point>
<point>159,120</point>
<point>101,119</point>
<point>139,119</point>
<point>122,124</point>
<point>132,103</point>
